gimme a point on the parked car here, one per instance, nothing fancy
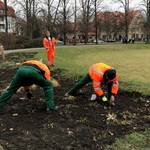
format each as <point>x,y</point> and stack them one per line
<point>99,41</point>
<point>60,42</point>
<point>110,40</point>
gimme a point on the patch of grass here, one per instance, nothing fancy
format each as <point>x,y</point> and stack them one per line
<point>71,106</point>
<point>14,59</point>
<point>134,141</point>
<point>131,62</point>
<point>83,120</point>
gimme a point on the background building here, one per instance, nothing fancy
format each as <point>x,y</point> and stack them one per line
<point>10,18</point>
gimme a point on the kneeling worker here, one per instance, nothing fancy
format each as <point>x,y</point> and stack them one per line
<point>29,73</point>
<point>101,75</point>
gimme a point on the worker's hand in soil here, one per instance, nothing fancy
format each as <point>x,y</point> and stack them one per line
<point>29,95</point>
<point>112,100</point>
<point>104,98</point>
<point>55,82</point>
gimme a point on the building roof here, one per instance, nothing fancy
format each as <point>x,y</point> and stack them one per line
<point>11,11</point>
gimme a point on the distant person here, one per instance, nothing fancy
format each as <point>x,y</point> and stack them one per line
<point>133,40</point>
<point>29,73</point>
<point>49,43</point>
<point>101,75</point>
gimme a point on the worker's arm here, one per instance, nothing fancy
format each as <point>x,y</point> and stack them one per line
<point>114,91</point>
<point>54,41</point>
<point>97,88</point>
<point>46,44</point>
<point>115,87</point>
<point>99,91</point>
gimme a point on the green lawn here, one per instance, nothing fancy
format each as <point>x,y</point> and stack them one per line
<point>131,61</point>
<point>134,141</point>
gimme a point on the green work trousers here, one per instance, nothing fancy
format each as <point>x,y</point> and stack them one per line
<point>79,85</point>
<point>26,76</point>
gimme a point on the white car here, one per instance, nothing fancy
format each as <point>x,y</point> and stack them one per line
<point>99,41</point>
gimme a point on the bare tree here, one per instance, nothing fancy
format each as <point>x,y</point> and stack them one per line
<point>64,20</point>
<point>64,16</point>
<point>86,12</point>
<point>96,24</point>
<point>106,24</point>
<point>125,4</point>
<point>75,21</point>
<point>49,12</point>
<point>28,13</point>
<point>6,20</point>
<point>146,9</point>
<point>56,12</point>
<point>49,5</point>
<point>28,9</point>
<point>97,4</point>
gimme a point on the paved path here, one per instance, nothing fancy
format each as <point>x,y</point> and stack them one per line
<point>37,49</point>
<point>23,50</point>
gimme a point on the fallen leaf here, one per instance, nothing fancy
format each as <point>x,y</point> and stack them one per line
<point>14,115</point>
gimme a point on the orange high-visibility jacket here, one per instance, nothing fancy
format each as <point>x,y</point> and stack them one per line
<point>49,44</point>
<point>96,73</point>
<point>41,66</point>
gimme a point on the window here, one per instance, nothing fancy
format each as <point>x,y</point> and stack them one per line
<point>9,25</point>
<point>1,19</point>
<point>1,11</point>
<point>2,26</point>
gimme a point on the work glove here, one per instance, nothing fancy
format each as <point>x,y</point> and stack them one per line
<point>29,95</point>
<point>112,100</point>
<point>104,101</point>
<point>104,98</point>
<point>93,97</point>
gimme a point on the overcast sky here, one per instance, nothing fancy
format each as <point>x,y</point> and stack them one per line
<point>114,6</point>
<point>111,5</point>
<point>108,4</point>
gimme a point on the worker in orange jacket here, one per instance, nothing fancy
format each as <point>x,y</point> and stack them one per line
<point>100,74</point>
<point>29,73</point>
<point>49,43</point>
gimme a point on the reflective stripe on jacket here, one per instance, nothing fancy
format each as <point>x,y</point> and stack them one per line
<point>96,72</point>
<point>41,66</point>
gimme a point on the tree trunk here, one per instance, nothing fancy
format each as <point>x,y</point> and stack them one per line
<point>28,17</point>
<point>126,25</point>
<point>49,16</point>
<point>6,24</point>
<point>126,18</point>
<point>64,22</point>
<point>87,22</point>
<point>75,22</point>
<point>148,21</point>
<point>96,25</point>
<point>6,19</point>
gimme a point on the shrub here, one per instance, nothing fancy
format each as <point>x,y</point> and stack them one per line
<point>18,42</point>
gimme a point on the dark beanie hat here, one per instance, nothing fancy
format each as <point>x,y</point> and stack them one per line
<point>111,74</point>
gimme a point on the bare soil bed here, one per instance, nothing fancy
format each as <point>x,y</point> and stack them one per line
<point>78,124</point>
